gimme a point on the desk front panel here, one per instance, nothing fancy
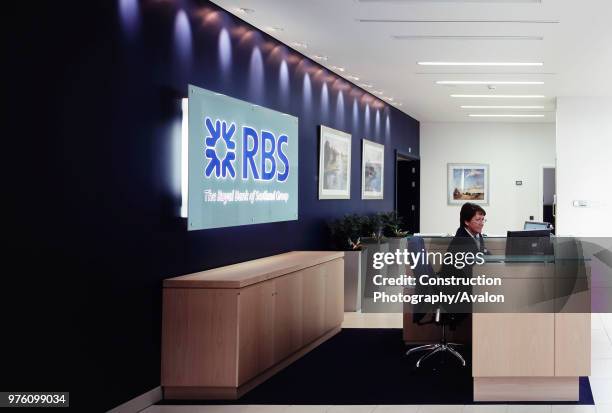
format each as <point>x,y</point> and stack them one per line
<point>513,345</point>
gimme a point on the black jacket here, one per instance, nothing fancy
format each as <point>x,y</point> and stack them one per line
<point>463,241</point>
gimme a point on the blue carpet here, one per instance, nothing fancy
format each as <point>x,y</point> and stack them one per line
<point>369,366</point>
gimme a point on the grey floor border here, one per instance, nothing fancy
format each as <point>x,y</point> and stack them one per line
<point>139,403</point>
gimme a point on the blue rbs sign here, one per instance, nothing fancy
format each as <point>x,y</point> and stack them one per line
<point>243,162</point>
<point>263,145</point>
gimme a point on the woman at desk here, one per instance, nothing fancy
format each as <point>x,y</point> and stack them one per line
<point>468,239</point>
<point>471,222</point>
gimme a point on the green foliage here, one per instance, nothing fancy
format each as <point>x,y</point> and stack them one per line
<point>346,232</point>
<point>392,224</point>
<point>371,226</point>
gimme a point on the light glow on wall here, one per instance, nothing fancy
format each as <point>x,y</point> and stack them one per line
<point>283,83</point>
<point>184,156</point>
<point>388,128</point>
<point>129,11</point>
<point>307,91</point>
<point>182,37</point>
<point>225,51</point>
<point>340,110</point>
<point>256,76</point>
<point>355,114</point>
<point>324,101</point>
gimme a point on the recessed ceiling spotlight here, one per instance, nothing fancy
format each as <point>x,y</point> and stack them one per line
<point>389,98</point>
<point>300,45</point>
<point>505,115</point>
<point>501,107</point>
<point>487,82</point>
<point>351,77</point>
<point>500,96</point>
<point>243,10</point>
<point>319,57</point>
<point>366,85</point>
<point>480,63</point>
<point>338,68</point>
<point>274,29</point>
<point>378,92</point>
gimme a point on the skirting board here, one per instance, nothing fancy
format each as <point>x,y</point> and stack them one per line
<point>232,393</point>
<point>489,389</point>
<point>140,402</point>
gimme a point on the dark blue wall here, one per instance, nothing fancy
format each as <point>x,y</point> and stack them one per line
<point>94,90</point>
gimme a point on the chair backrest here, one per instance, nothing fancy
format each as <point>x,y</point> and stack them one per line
<point>422,267</point>
<point>417,244</point>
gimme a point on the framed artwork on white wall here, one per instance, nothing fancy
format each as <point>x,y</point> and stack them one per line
<point>467,182</point>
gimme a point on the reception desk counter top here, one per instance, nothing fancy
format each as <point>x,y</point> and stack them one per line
<point>251,272</point>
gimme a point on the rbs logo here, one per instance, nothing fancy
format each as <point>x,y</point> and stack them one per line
<point>266,145</point>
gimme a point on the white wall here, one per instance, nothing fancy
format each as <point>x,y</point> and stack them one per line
<point>514,151</point>
<point>584,166</point>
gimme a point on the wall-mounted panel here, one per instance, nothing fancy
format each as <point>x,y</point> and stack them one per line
<point>243,162</point>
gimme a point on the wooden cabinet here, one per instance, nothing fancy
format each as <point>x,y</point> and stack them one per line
<point>224,331</point>
<point>195,319</point>
<point>313,302</point>
<point>288,315</point>
<point>334,293</point>
<point>255,330</point>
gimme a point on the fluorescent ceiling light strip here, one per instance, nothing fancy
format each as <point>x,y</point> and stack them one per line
<point>487,82</point>
<point>500,96</point>
<point>453,37</point>
<point>484,115</point>
<point>440,74</point>
<point>500,107</point>
<point>480,63</point>
<point>450,1</point>
<point>455,21</point>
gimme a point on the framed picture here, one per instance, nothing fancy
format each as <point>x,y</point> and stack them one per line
<point>334,164</point>
<point>468,183</point>
<point>372,170</point>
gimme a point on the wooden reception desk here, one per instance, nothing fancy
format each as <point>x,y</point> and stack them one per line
<point>226,330</point>
<point>523,356</point>
<point>535,356</point>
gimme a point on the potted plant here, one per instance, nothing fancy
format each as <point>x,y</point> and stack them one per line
<point>392,230</point>
<point>374,241</point>
<point>392,225</point>
<point>346,236</point>
<point>371,229</point>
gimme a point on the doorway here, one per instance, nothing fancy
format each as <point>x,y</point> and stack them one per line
<point>549,197</point>
<point>407,190</point>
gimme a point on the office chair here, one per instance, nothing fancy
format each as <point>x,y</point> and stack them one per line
<point>442,346</point>
<point>416,244</point>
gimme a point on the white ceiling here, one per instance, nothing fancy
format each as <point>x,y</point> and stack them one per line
<point>573,38</point>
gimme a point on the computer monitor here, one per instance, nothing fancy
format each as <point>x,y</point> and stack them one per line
<point>536,225</point>
<point>529,242</point>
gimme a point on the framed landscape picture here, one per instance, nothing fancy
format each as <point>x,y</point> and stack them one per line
<point>334,164</point>
<point>372,170</point>
<point>468,183</point>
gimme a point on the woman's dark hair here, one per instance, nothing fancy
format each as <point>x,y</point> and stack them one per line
<point>468,210</point>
